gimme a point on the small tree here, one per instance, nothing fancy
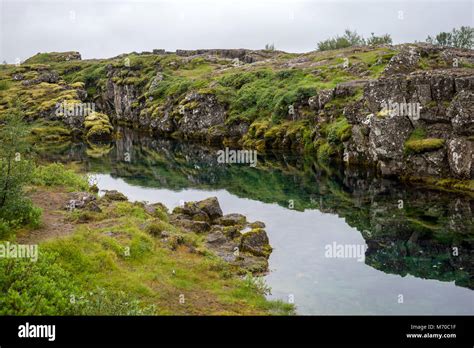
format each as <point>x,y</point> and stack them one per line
<point>353,38</point>
<point>379,40</point>
<point>461,38</point>
<point>270,47</point>
<point>350,38</point>
<point>15,208</point>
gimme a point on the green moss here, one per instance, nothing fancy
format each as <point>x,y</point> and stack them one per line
<point>265,93</point>
<point>49,131</point>
<point>80,85</point>
<point>197,68</point>
<point>97,125</point>
<point>98,150</point>
<point>339,131</point>
<point>448,184</point>
<point>417,134</point>
<point>418,143</point>
<point>134,81</point>
<point>325,152</point>
<point>465,64</point>
<point>374,60</point>
<point>274,132</point>
<point>424,145</point>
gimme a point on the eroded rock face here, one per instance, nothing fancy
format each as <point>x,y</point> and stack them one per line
<point>444,101</point>
<point>196,117</point>
<point>404,62</point>
<point>118,99</point>
<point>460,157</point>
<point>444,98</point>
<point>242,55</point>
<point>433,163</point>
<point>387,137</point>
<point>461,113</point>
<point>200,113</point>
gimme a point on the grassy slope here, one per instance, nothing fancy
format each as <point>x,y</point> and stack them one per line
<point>111,253</point>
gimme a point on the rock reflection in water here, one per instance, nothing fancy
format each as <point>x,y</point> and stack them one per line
<point>408,230</point>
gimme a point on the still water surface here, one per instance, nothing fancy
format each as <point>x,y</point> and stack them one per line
<point>419,244</point>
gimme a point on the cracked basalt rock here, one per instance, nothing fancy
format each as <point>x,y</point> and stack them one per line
<point>230,236</point>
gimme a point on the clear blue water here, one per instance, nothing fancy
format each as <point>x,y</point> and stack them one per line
<point>408,266</point>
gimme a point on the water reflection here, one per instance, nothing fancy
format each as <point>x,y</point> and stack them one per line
<point>410,232</point>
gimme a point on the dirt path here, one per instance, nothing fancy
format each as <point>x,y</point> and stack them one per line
<point>54,224</point>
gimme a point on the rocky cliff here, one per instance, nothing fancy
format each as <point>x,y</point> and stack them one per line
<point>406,110</point>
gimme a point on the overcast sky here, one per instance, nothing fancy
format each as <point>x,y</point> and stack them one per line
<point>106,28</point>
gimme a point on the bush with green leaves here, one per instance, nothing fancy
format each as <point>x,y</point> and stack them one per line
<point>56,174</point>
<point>351,38</point>
<point>270,47</point>
<point>374,40</point>
<point>461,38</point>
<point>35,288</point>
<point>15,208</point>
<point>45,288</point>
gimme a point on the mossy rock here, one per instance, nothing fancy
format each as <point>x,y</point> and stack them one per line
<point>260,145</point>
<point>98,126</point>
<point>256,243</point>
<point>51,57</point>
<point>424,145</point>
<point>156,227</point>
<point>232,220</point>
<point>114,195</point>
